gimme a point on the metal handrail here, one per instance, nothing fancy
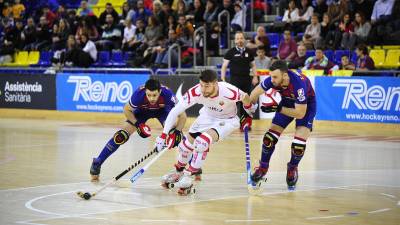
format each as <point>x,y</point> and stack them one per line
<point>202,28</point>
<point>228,27</point>
<point>170,57</point>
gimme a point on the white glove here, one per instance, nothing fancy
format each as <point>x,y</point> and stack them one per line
<point>250,109</point>
<point>161,142</point>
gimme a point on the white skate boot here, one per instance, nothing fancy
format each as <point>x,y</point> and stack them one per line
<point>185,183</point>
<point>168,180</point>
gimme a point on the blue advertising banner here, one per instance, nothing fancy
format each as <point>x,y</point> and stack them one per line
<point>358,99</point>
<point>96,92</point>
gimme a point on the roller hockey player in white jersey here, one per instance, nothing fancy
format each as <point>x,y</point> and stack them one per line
<point>218,118</point>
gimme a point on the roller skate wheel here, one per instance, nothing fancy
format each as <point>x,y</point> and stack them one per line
<point>291,188</point>
<point>171,185</point>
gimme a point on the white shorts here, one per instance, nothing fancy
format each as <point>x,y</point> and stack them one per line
<point>224,127</point>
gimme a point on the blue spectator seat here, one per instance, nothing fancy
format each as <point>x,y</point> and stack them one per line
<point>103,59</point>
<point>329,55</point>
<point>310,53</point>
<point>117,59</point>
<point>274,39</point>
<point>44,59</point>
<point>353,58</point>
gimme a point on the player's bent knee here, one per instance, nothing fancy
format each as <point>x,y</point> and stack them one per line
<point>269,140</point>
<point>120,137</point>
<point>298,149</point>
<point>202,142</point>
<point>185,146</point>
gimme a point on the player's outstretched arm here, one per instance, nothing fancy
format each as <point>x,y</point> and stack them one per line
<point>257,91</point>
<point>180,124</point>
<point>128,113</point>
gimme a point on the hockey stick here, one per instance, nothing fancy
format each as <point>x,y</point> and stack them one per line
<point>140,172</point>
<point>88,195</point>
<point>251,188</point>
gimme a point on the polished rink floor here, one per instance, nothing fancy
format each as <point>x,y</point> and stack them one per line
<point>349,175</point>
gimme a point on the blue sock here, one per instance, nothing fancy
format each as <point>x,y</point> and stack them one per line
<point>266,155</point>
<point>298,148</point>
<point>109,149</point>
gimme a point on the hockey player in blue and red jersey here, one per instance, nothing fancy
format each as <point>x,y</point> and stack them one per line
<point>149,101</point>
<point>298,102</point>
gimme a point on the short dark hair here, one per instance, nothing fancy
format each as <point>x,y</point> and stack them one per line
<point>208,76</point>
<point>261,47</point>
<point>152,85</point>
<point>279,65</point>
<point>363,48</point>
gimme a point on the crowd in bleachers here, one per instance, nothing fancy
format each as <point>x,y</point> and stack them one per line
<point>309,34</point>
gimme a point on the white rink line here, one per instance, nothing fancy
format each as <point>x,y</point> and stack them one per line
<point>350,189</point>
<point>152,221</point>
<point>380,210</point>
<point>246,221</point>
<point>388,195</point>
<point>324,217</point>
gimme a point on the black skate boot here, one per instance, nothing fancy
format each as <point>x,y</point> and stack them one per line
<point>291,177</point>
<point>258,176</point>
<point>95,170</point>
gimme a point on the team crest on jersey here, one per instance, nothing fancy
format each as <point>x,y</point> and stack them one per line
<point>221,103</point>
<point>301,97</point>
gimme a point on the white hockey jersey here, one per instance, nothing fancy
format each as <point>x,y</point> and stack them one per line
<point>222,106</point>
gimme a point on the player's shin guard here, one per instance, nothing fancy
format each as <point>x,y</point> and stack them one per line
<point>269,141</point>
<point>185,153</point>
<point>119,138</point>
<point>298,149</point>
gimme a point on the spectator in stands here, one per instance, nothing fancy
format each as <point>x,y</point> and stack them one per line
<point>86,27</point>
<point>334,13</point>
<point>291,13</point>
<point>29,33</point>
<point>195,15</point>
<point>327,31</point>
<point>287,47</point>
<point>346,64</point>
<point>183,24</point>
<point>238,23</point>
<point>139,35</point>
<point>161,60</point>
<point>261,60</point>
<point>260,39</point>
<point>211,12</point>
<point>305,13</point>
<point>157,9</point>
<point>300,58</point>
<point>72,21</point>
<point>165,14</point>
<point>319,62</point>
<point>7,47</point>
<point>84,9</point>
<point>129,36</point>
<point>111,36</point>
<point>61,13</point>
<point>109,10</point>
<point>141,13</point>
<point>360,34</point>
<point>381,15</point>
<point>312,32</point>
<point>182,9</point>
<point>320,9</point>
<point>7,10</point>
<point>18,9</point>
<point>152,32</point>
<point>363,6</point>
<point>50,16</point>
<point>228,5</point>
<point>43,35</point>
<point>19,33</point>
<point>127,12</point>
<point>60,35</point>
<point>345,28</point>
<point>185,40</point>
<point>170,25</point>
<point>212,39</point>
<point>83,55</point>
<point>364,62</point>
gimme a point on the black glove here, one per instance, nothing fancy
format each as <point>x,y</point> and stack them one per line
<point>174,138</point>
<point>271,108</point>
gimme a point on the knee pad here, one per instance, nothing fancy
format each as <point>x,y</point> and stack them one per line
<point>298,149</point>
<point>202,142</point>
<point>120,137</point>
<point>270,139</point>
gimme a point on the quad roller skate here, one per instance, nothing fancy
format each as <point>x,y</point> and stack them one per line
<point>95,170</point>
<point>291,177</point>
<point>185,184</point>
<point>168,180</point>
<point>257,177</point>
